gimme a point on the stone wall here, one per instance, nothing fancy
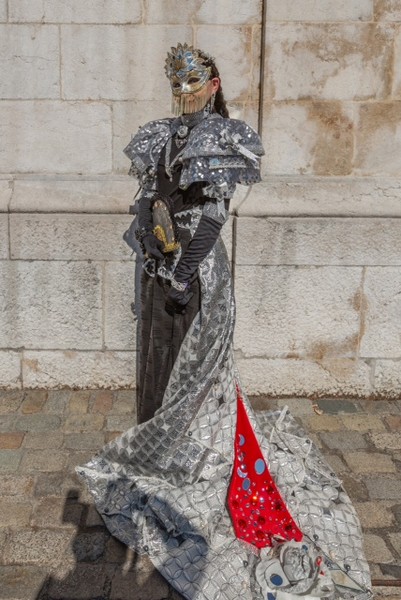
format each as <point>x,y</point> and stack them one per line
<point>316,247</point>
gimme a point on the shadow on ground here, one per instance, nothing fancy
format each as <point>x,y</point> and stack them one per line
<point>104,568</point>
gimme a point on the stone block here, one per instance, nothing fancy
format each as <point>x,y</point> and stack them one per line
<point>69,237</point>
<point>363,422</point>
<point>395,540</point>
<point>376,550</point>
<point>34,401</point>
<point>387,381</point>
<point>324,10</point>
<point>90,74</point>
<point>57,401</point>
<point>11,440</point>
<point>10,401</point>
<point>7,423</point>
<point>319,196</point>
<point>344,440</point>
<point>55,369</point>
<point>120,422</point>
<point>43,460</point>
<point>90,440</point>
<point>286,312</point>
<point>65,484</point>
<point>224,12</point>
<point>15,581</point>
<point>355,488</point>
<point>387,10</point>
<point>42,440</point>
<point>393,422</point>
<point>16,486</point>
<point>3,10</point>
<point>124,402</point>
<point>383,488</point>
<point>318,241</point>
<point>386,441</point>
<point>152,585</point>
<point>43,547</point>
<point>309,138</point>
<point>299,407</point>
<point>292,377</point>
<point>29,61</point>
<point>102,402</point>
<point>79,457</point>
<point>328,61</point>
<point>10,369</point>
<point>375,514</point>
<point>62,194</point>
<point>393,571</point>
<point>336,463</point>
<point>370,462</point>
<point>381,407</point>
<point>56,511</point>
<point>37,423</point>
<point>381,318</point>
<point>83,128</point>
<point>51,304</point>
<point>88,547</point>
<point>323,423</point>
<point>378,140</point>
<point>79,402</point>
<point>335,407</point>
<point>4,242</point>
<point>5,194</point>
<point>9,460</point>
<point>83,423</point>
<point>236,58</point>
<point>84,581</point>
<point>117,552</point>
<point>120,325</point>
<point>14,513</point>
<point>9,404</point>
<point>93,519</point>
<point>74,11</point>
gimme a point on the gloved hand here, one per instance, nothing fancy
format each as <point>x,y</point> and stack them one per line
<point>177,301</point>
<point>153,246</point>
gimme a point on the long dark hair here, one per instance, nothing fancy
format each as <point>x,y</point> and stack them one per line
<point>220,104</point>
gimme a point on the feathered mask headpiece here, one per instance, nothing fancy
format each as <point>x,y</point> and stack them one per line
<point>184,63</point>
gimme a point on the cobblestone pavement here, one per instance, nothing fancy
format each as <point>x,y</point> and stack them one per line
<point>53,543</point>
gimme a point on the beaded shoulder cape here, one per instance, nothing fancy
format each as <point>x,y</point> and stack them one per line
<point>218,151</point>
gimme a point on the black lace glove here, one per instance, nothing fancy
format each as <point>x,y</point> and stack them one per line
<point>198,248</point>
<point>153,246</point>
<point>177,301</point>
<point>145,219</point>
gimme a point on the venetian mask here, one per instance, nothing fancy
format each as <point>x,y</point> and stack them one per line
<point>188,76</point>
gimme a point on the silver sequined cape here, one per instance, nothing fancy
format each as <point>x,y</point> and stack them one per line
<point>221,152</point>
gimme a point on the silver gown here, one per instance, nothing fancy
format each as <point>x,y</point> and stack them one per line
<point>162,486</point>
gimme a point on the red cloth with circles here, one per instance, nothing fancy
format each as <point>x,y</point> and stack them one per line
<point>258,511</point>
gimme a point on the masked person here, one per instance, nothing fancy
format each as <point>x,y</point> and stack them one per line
<point>228,504</point>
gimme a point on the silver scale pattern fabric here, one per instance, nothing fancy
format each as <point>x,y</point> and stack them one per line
<point>161,487</point>
<point>221,152</point>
